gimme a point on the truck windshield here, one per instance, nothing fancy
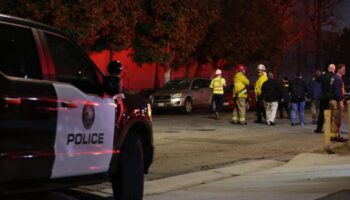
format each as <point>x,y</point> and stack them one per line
<point>177,85</point>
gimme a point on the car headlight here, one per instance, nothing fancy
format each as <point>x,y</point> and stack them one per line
<point>177,95</point>
<point>149,111</point>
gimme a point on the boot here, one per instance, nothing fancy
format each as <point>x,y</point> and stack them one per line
<point>217,116</point>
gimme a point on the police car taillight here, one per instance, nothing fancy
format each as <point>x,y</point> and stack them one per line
<point>12,101</point>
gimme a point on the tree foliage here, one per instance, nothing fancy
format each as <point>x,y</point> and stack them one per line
<point>92,23</point>
<point>319,14</point>
<point>170,32</point>
<point>245,31</point>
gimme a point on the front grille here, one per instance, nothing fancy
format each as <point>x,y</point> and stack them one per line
<point>162,98</point>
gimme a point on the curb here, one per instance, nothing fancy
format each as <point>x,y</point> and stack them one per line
<point>158,186</point>
<point>197,178</point>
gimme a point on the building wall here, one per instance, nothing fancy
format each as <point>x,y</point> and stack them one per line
<point>150,76</point>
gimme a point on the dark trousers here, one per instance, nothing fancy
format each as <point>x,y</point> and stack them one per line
<point>324,105</point>
<point>219,102</point>
<point>260,109</point>
<point>284,106</point>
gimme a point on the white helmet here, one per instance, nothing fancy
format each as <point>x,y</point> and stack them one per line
<point>261,67</point>
<point>218,72</point>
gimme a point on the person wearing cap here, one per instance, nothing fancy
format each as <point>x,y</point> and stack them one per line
<point>241,83</point>
<point>284,103</point>
<point>260,108</point>
<point>114,69</point>
<point>218,84</point>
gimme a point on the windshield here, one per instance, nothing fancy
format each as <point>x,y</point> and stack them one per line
<point>177,85</point>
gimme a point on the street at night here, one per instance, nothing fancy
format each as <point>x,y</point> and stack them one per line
<point>175,99</point>
<point>208,145</point>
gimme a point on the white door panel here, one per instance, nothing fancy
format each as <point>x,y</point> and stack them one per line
<point>84,134</point>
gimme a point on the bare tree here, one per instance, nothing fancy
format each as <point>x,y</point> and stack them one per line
<point>319,14</point>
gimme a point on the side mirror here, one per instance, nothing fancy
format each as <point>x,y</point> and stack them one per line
<point>112,85</point>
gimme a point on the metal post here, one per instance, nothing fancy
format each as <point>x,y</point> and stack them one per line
<point>327,131</point>
<point>348,110</point>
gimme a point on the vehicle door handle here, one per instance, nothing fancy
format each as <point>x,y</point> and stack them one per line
<point>68,104</point>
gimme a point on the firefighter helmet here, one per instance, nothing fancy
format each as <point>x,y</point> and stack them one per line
<point>240,68</point>
<point>218,72</point>
<point>261,67</point>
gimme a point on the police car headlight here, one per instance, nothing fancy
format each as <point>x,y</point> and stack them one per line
<point>149,111</point>
<point>177,95</point>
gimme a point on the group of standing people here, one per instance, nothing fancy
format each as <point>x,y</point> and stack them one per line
<point>325,91</point>
<point>273,95</point>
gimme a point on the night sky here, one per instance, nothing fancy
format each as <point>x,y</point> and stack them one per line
<point>344,12</point>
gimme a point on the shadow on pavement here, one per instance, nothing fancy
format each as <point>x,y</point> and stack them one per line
<point>341,195</point>
<point>57,195</point>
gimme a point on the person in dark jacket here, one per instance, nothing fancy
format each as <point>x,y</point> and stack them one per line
<point>285,100</point>
<point>114,69</point>
<point>314,94</point>
<point>326,80</point>
<point>271,92</point>
<point>298,91</point>
<point>336,103</point>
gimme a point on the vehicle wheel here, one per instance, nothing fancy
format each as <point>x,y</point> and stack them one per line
<point>188,106</point>
<point>128,181</point>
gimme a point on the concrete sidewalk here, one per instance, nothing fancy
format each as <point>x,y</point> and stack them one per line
<point>307,176</point>
<point>202,177</point>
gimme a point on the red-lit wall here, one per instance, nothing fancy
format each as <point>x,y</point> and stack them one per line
<point>138,77</point>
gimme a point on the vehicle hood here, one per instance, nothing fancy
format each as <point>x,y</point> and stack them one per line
<point>168,92</point>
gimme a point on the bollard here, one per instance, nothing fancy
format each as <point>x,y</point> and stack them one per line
<point>327,131</point>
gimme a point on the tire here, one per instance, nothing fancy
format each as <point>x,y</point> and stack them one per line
<point>128,181</point>
<point>188,106</point>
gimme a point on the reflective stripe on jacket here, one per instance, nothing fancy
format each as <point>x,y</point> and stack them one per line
<point>240,85</point>
<point>218,84</point>
<point>261,80</point>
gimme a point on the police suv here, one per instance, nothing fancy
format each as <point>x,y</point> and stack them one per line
<point>60,124</point>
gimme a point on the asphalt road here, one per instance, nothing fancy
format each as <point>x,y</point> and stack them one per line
<point>197,142</point>
<point>188,143</point>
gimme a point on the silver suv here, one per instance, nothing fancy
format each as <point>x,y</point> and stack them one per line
<point>185,94</point>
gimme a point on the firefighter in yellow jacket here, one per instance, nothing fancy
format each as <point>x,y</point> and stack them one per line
<point>218,84</point>
<point>260,108</point>
<point>240,94</point>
